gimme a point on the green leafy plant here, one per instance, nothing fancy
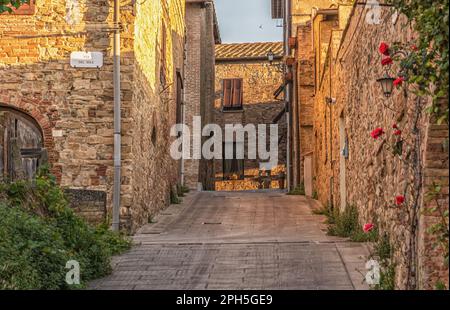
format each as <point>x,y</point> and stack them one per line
<point>299,190</point>
<point>174,199</point>
<point>39,233</point>
<point>440,286</point>
<point>440,229</point>
<point>346,224</point>
<point>182,190</point>
<point>382,253</point>
<point>427,62</point>
<point>6,5</point>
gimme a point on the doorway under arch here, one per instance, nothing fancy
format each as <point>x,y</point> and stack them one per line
<point>22,149</point>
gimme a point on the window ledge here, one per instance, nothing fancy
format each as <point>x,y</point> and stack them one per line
<point>232,111</point>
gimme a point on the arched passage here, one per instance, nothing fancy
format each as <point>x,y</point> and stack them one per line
<point>22,148</point>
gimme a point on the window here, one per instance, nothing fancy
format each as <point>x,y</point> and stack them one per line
<point>232,94</point>
<point>233,169</point>
<point>24,9</point>
<point>277,9</point>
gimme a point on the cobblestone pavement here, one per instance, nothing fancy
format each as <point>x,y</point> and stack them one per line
<point>238,240</point>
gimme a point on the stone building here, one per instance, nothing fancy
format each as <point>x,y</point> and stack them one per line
<point>52,112</point>
<point>338,102</point>
<point>202,33</point>
<point>246,83</point>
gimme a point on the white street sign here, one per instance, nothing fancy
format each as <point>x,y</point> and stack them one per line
<point>86,59</point>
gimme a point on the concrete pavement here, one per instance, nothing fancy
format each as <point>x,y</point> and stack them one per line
<point>238,240</point>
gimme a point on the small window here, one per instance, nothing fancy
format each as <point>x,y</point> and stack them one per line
<point>232,92</point>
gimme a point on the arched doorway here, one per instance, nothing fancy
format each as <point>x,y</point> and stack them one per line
<point>21,145</point>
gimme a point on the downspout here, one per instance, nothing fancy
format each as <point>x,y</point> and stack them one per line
<point>287,92</point>
<point>117,119</point>
<point>183,107</point>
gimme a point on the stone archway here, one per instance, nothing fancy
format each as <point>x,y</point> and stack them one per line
<point>22,149</point>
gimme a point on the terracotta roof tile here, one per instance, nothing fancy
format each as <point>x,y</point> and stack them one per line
<point>248,50</point>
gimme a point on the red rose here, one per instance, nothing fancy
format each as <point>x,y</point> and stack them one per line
<point>384,49</point>
<point>395,126</point>
<point>398,132</point>
<point>414,47</point>
<point>368,227</point>
<point>386,61</point>
<point>398,81</point>
<point>376,133</point>
<point>399,200</point>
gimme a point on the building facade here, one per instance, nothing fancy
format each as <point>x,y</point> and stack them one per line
<point>55,113</point>
<point>246,83</point>
<point>202,33</point>
<point>338,103</point>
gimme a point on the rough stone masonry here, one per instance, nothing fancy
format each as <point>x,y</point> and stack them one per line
<point>74,106</point>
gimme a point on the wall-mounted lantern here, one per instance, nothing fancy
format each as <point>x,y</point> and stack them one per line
<point>270,56</point>
<point>387,84</point>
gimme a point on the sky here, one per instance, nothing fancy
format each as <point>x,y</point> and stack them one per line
<point>243,21</point>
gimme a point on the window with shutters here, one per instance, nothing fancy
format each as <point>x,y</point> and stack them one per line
<point>25,9</point>
<point>277,9</point>
<point>232,94</point>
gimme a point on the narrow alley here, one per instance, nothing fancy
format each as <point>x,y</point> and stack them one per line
<point>238,240</point>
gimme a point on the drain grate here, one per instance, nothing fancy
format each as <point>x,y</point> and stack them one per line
<point>212,223</point>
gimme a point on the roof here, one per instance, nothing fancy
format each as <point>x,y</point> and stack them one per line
<point>248,51</point>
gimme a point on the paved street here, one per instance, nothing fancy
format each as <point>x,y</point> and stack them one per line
<point>238,240</point>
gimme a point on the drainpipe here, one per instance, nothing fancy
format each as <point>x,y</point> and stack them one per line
<point>287,91</point>
<point>117,119</point>
<point>183,108</point>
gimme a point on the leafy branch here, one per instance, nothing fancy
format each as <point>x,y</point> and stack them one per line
<point>427,64</point>
<point>7,5</point>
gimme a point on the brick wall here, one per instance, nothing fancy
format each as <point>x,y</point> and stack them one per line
<point>199,86</point>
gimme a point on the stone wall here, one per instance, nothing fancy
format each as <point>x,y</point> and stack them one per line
<point>260,81</point>
<point>74,107</point>
<point>159,29</point>
<point>372,176</point>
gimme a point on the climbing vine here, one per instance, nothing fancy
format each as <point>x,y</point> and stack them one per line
<point>427,65</point>
<point>5,5</point>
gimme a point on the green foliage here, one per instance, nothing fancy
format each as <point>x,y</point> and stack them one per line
<point>39,233</point>
<point>174,199</point>
<point>382,252</point>
<point>440,229</point>
<point>326,210</point>
<point>346,224</point>
<point>427,65</point>
<point>315,195</point>
<point>299,190</point>
<point>440,286</point>
<point>5,5</point>
<point>182,190</point>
